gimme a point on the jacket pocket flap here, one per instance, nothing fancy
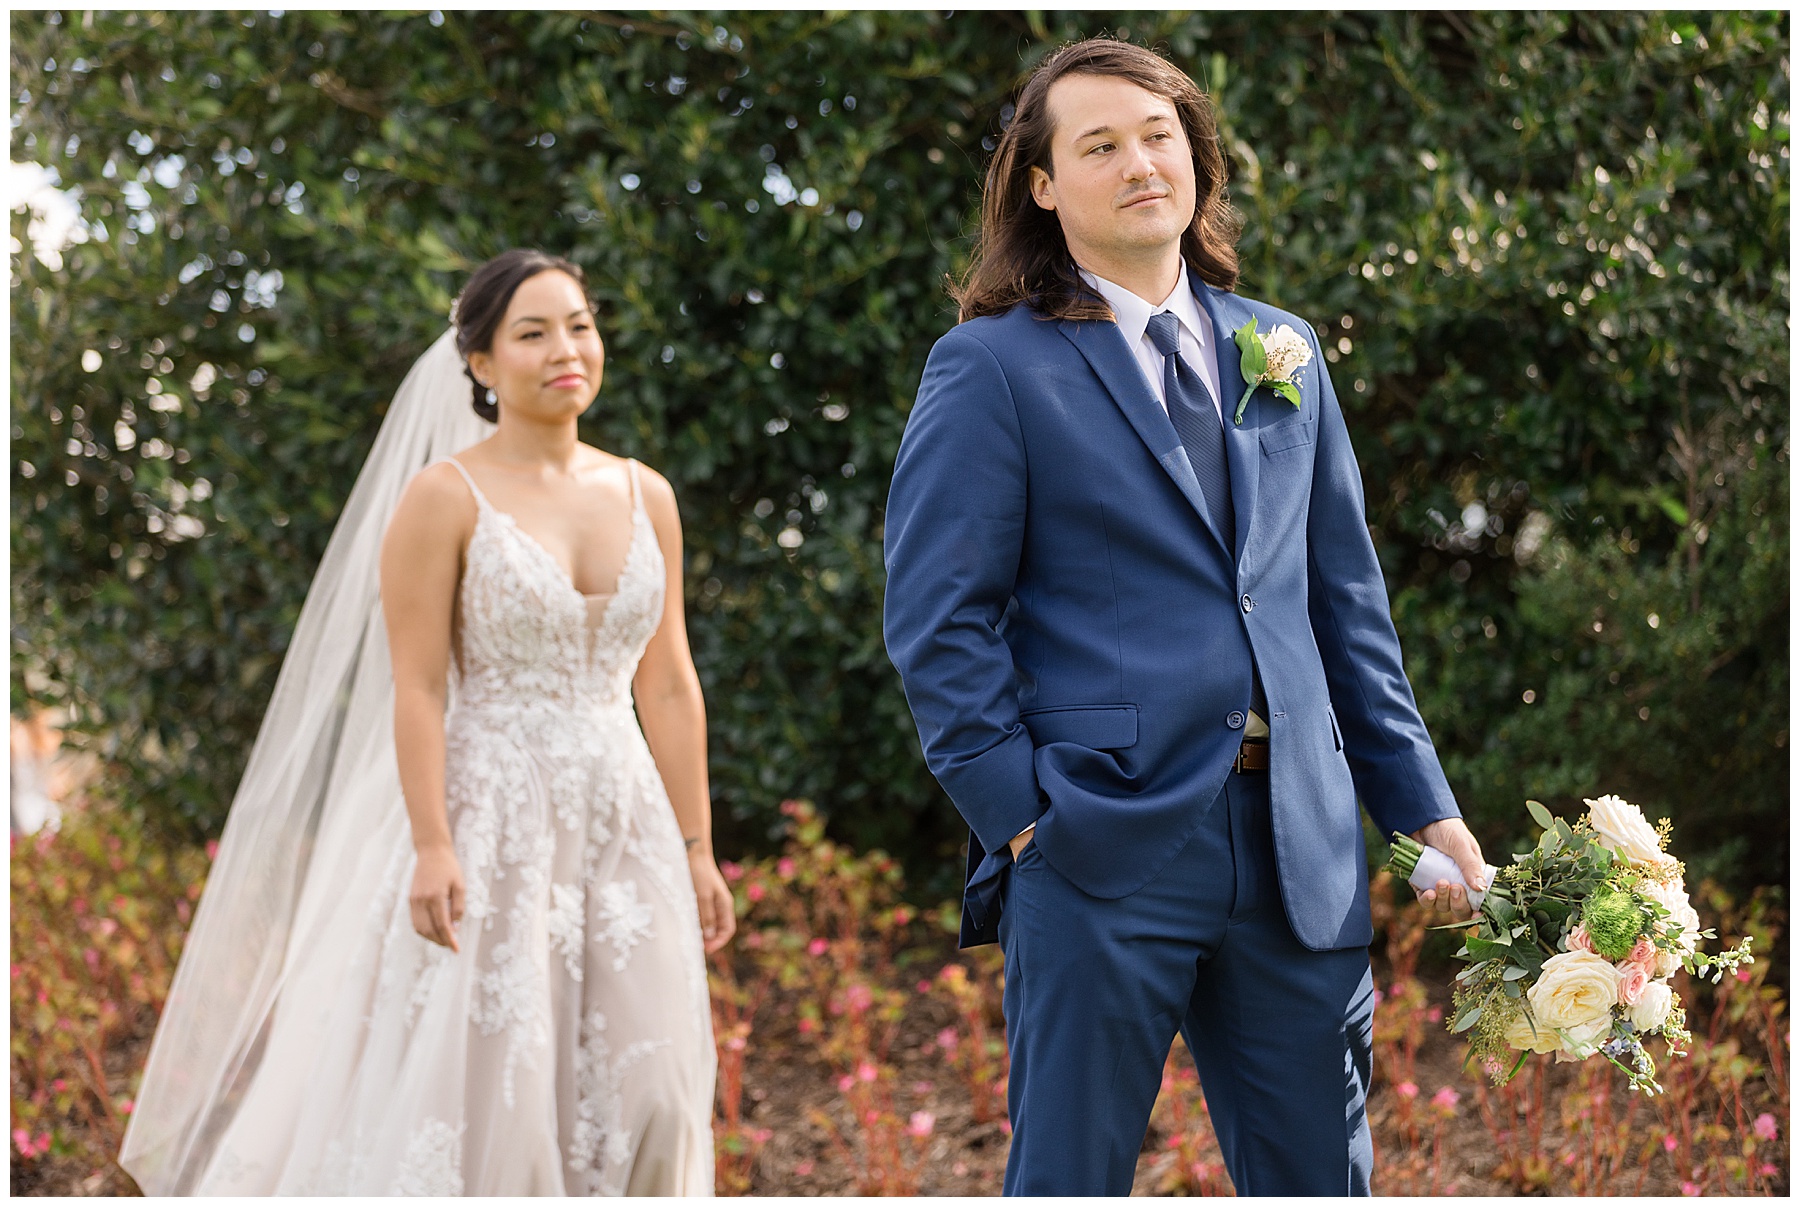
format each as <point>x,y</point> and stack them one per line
<point>1098,727</point>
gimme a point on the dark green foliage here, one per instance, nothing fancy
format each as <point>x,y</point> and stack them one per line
<point>1554,248</point>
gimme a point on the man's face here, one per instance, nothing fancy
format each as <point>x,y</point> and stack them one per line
<point>1123,186</point>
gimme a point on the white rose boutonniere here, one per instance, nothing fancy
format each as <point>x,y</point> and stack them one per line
<point>1270,360</point>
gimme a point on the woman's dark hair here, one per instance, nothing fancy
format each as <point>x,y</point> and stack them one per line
<point>483,302</point>
<point>1020,253</point>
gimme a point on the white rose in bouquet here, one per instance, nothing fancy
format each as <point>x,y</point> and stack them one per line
<point>1622,827</point>
<point>1527,1036</point>
<point>1652,1008</point>
<point>1584,1040</point>
<point>1673,897</point>
<point>1575,990</point>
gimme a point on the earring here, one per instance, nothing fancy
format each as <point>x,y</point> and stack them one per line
<point>492,401</point>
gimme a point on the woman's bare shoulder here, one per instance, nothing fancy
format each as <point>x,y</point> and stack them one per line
<point>436,500</point>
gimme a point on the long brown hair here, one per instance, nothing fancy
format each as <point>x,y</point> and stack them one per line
<point>1020,253</point>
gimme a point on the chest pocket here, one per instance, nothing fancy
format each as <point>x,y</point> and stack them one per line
<point>1290,433</point>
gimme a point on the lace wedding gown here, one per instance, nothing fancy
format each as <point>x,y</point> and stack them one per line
<point>568,1047</point>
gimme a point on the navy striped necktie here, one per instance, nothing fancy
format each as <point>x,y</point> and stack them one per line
<point>1198,422</point>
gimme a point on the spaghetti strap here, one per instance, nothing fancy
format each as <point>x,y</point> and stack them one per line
<point>480,499</point>
<point>637,490</point>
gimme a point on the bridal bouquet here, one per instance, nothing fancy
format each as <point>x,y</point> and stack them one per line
<point>1574,945</point>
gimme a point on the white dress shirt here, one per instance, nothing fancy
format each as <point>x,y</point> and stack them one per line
<point>1197,339</point>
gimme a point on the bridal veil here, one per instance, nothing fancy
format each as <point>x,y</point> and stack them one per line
<point>313,815</point>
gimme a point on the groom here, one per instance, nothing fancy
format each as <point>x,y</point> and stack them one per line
<point>1148,649</point>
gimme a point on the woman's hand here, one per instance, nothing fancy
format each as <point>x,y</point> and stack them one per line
<point>718,920</point>
<point>437,896</point>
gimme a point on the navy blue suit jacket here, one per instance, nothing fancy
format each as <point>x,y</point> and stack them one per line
<point>1076,642</point>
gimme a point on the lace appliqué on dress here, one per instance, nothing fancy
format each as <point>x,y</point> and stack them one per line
<point>432,1166</point>
<point>600,1138</point>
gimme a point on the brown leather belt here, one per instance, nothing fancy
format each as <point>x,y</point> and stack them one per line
<point>1251,756</point>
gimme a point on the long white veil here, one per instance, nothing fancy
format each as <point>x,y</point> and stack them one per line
<point>320,789</point>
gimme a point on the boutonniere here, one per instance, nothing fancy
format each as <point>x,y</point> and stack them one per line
<point>1270,360</point>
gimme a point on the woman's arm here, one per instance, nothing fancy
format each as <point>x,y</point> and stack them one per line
<point>673,714</point>
<point>421,563</point>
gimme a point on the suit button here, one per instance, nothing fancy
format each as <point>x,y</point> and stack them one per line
<point>1235,720</point>
<point>1248,603</point>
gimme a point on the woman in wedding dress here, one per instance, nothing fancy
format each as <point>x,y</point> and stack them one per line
<point>477,967</point>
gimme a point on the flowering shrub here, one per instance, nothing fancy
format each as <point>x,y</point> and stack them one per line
<point>98,916</point>
<point>841,1010</point>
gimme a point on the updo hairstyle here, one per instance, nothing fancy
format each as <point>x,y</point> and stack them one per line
<point>483,302</point>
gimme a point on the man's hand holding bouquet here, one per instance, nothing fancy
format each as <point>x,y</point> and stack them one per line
<point>1574,944</point>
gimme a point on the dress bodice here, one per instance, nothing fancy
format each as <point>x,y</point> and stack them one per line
<point>527,639</point>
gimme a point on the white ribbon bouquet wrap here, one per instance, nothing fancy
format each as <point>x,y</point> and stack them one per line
<point>1424,866</point>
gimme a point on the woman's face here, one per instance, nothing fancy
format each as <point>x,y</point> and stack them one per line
<point>547,358</point>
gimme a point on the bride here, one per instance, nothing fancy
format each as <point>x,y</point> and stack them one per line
<point>448,945</point>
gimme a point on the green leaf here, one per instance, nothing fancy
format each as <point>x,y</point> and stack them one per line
<point>1515,973</point>
<point>1289,391</point>
<point>1542,816</point>
<point>1466,1021</point>
<point>1253,362</point>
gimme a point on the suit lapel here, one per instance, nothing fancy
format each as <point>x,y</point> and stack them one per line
<point>1105,350</point>
<point>1243,447</point>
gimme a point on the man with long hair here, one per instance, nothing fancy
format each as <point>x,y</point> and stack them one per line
<point>1145,638</point>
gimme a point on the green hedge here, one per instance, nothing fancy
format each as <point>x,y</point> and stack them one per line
<point>1547,252</point>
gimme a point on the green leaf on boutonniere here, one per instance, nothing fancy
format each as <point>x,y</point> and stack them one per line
<point>1253,362</point>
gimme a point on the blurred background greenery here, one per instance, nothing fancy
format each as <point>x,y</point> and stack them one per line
<point>1547,254</point>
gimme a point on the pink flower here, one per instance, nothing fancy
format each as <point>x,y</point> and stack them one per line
<point>871,1116</point>
<point>845,1083</point>
<point>1764,1127</point>
<point>1767,1170</point>
<point>22,1140</point>
<point>1407,1090</point>
<point>1579,941</point>
<point>947,1039</point>
<point>1743,974</point>
<point>1690,1190</point>
<point>754,892</point>
<point>127,1106</point>
<point>212,851</point>
<point>867,1072</point>
<point>816,947</point>
<point>920,1124</point>
<point>735,1044</point>
<point>923,1087</point>
<point>1446,1099</point>
<point>1006,1127</point>
<point>784,867</point>
<point>859,997</point>
<point>731,871</point>
<point>1379,995</point>
<point>1668,1144</point>
<point>1633,978</point>
<point>1643,952</point>
<point>902,916</point>
<point>59,1085</point>
<point>806,1026</point>
<point>803,1169</point>
<point>1435,1014</point>
<point>923,986</point>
